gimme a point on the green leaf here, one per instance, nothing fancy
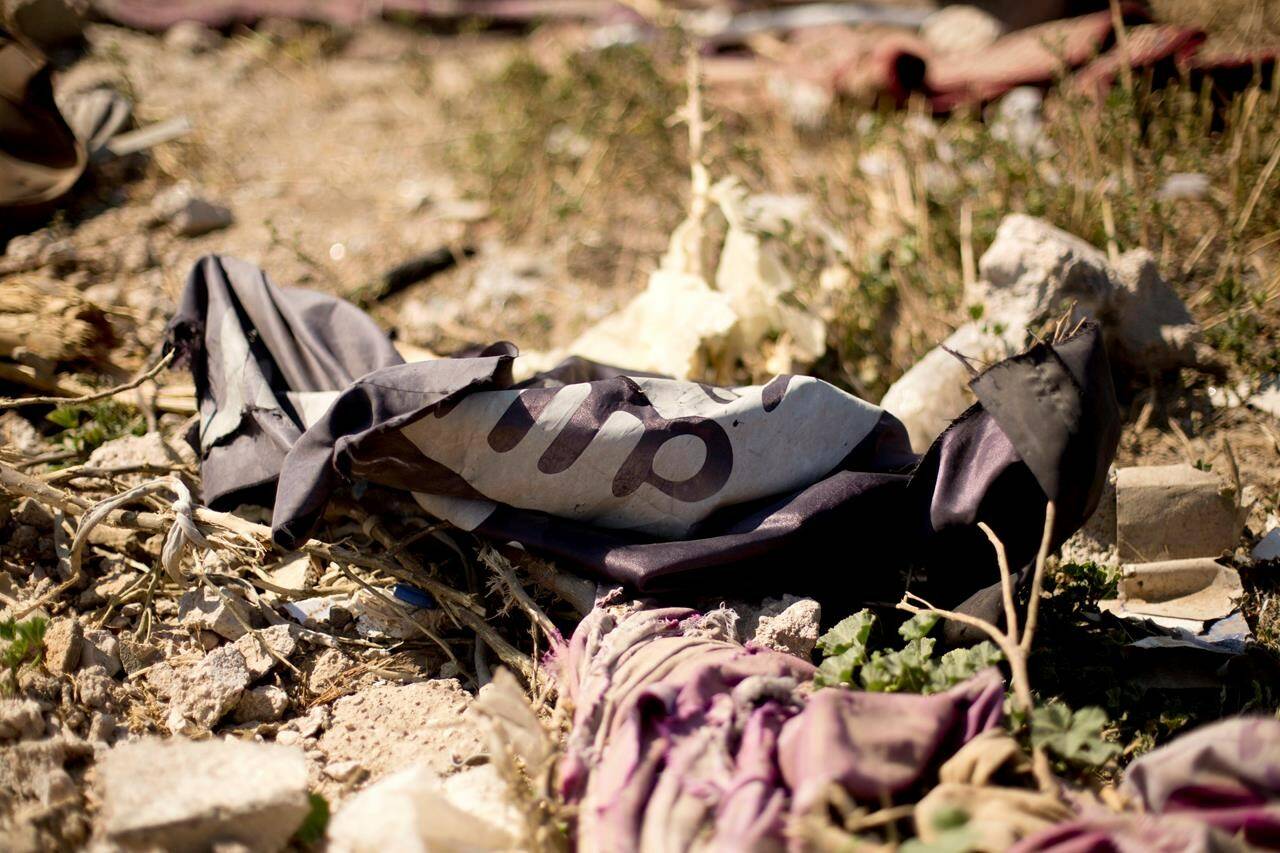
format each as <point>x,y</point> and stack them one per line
<point>67,417</point>
<point>918,626</point>
<point>849,633</point>
<point>317,821</point>
<point>960,665</point>
<point>954,835</point>
<point>1075,736</point>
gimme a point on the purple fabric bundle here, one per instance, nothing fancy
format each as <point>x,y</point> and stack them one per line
<point>682,738</point>
<point>1216,788</point>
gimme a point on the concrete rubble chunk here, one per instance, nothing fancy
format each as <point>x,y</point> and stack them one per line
<point>211,688</point>
<point>1198,589</point>
<point>202,608</point>
<point>147,449</point>
<point>411,812</point>
<point>99,647</point>
<point>264,704</point>
<point>179,794</point>
<point>389,727</point>
<point>788,624</point>
<point>188,212</point>
<point>20,719</point>
<point>192,37</point>
<point>278,638</point>
<point>62,645</point>
<point>1173,512</point>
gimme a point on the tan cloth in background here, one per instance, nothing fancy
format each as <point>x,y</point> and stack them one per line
<point>40,158</point>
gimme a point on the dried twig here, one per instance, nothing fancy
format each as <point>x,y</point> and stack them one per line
<point>1015,646</point>
<point>150,373</point>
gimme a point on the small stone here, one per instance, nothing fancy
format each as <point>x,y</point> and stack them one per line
<point>203,609</point>
<point>1179,186</point>
<point>135,258</point>
<point>410,810</point>
<point>211,689</point>
<point>166,680</point>
<point>264,704</point>
<point>392,726</point>
<point>191,37</point>
<point>789,624</point>
<point>135,655</point>
<point>99,647</point>
<point>95,688</point>
<point>62,645</point>
<point>1173,512</point>
<point>342,771</point>
<point>188,213</point>
<point>200,217</point>
<point>310,723</point>
<point>147,449</point>
<point>20,719</point>
<point>961,29</point>
<point>279,638</point>
<point>184,795</point>
<point>102,728</point>
<point>30,511</point>
<point>329,666</point>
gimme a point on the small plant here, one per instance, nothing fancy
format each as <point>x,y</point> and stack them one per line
<point>911,669</point>
<point>313,827</point>
<point>87,427</point>
<point>1074,736</point>
<point>26,645</point>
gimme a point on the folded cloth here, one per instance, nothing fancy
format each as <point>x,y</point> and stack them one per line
<point>1215,788</point>
<point>884,63</point>
<point>684,739</point>
<point>651,482</point>
<point>40,158</point>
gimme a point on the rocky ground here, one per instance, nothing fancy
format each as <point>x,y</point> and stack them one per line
<point>329,158</point>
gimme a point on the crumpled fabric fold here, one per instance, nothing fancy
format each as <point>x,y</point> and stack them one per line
<point>657,484</point>
<point>1214,789</point>
<point>682,739</point>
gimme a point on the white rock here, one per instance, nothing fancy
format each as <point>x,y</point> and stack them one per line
<point>99,647</point>
<point>188,213</point>
<point>264,704</point>
<point>961,29</point>
<point>63,644</point>
<point>411,812</point>
<point>202,608</point>
<point>147,449</point>
<point>789,625</point>
<point>1184,185</point>
<point>20,719</point>
<point>279,638</point>
<point>390,727</point>
<point>191,37</point>
<point>184,795</point>
<point>210,689</point>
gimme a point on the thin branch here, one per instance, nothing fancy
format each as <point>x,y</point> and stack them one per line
<point>1006,580</point>
<point>1037,580</point>
<point>16,402</point>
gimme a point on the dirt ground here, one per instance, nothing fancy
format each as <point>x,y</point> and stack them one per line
<point>554,186</point>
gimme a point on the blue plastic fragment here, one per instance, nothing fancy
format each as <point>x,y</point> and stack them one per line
<point>412,595</point>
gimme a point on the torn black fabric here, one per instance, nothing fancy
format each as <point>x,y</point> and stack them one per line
<point>658,484</point>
